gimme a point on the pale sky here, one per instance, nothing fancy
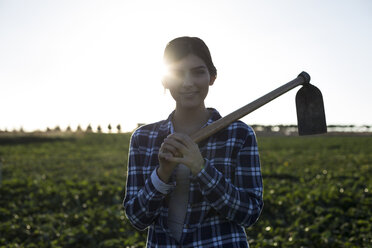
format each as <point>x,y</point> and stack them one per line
<point>99,62</point>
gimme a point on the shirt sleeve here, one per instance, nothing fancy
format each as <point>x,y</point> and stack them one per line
<point>240,201</point>
<point>142,200</point>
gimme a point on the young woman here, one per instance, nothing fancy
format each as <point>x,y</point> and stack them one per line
<point>192,195</point>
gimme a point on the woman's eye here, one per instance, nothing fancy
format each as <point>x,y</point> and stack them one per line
<point>199,72</point>
<point>182,73</point>
<point>176,73</point>
<point>179,73</point>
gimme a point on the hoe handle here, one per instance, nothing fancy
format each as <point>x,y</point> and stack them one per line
<point>216,126</point>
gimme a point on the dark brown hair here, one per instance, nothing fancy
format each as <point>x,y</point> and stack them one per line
<point>182,46</point>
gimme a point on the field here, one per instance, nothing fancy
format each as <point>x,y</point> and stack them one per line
<point>67,191</point>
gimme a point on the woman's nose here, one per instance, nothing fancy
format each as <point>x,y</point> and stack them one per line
<point>187,79</point>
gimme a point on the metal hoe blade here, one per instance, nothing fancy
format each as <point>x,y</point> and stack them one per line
<point>310,111</point>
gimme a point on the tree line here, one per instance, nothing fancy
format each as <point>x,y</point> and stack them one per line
<point>259,129</point>
<point>68,129</point>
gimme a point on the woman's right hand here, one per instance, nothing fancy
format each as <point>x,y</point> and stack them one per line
<point>166,167</point>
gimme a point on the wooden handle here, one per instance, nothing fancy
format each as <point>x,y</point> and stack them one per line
<point>216,126</point>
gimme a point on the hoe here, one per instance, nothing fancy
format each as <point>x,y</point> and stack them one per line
<point>309,105</point>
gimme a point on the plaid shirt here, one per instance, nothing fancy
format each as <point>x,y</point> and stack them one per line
<point>224,197</point>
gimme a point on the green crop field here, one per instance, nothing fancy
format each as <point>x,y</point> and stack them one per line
<point>68,192</point>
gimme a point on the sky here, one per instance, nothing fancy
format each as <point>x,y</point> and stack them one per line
<point>70,63</point>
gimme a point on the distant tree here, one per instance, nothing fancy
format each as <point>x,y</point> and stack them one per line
<point>268,129</point>
<point>21,130</point>
<point>78,129</point>
<point>68,129</point>
<point>89,129</point>
<point>109,128</point>
<point>48,129</point>
<point>57,129</point>
<point>99,129</point>
<point>118,127</point>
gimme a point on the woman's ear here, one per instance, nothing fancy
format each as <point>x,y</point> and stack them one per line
<point>164,83</point>
<point>213,78</point>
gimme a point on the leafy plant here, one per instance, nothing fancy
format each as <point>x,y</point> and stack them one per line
<point>68,192</point>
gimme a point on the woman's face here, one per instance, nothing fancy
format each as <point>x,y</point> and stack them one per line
<point>188,81</point>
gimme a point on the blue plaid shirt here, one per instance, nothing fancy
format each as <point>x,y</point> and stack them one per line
<point>224,197</point>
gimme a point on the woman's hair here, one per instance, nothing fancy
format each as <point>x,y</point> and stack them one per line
<point>182,46</point>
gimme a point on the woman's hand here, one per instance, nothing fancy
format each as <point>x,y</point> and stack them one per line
<point>181,149</point>
<point>166,167</point>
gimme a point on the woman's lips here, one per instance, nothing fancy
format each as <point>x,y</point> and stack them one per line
<point>190,93</point>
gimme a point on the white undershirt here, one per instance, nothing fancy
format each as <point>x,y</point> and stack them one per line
<point>178,199</point>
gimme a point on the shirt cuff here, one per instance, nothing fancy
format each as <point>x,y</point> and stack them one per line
<point>159,184</point>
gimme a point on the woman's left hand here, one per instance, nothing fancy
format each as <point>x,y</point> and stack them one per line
<point>189,150</point>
